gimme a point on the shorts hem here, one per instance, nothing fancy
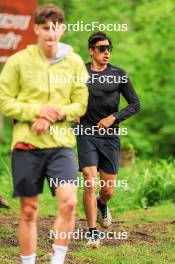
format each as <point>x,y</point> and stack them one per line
<point>108,172</point>
<point>87,165</point>
<point>16,195</point>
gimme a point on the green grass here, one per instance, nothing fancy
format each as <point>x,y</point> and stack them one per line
<point>127,254</point>
<point>163,252</point>
<point>145,178</point>
<point>157,222</point>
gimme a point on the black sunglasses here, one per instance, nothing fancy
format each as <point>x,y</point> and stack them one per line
<point>103,48</point>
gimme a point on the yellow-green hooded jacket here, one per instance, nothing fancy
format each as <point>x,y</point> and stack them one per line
<point>28,81</point>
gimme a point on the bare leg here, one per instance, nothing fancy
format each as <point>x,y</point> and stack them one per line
<point>27,225</point>
<point>67,198</point>
<point>89,195</point>
<point>106,191</point>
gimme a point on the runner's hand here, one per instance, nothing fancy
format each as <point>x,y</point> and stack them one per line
<point>61,115</point>
<point>76,121</point>
<point>40,126</point>
<point>49,112</point>
<point>106,122</point>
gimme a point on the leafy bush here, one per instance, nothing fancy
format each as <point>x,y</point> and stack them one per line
<point>149,183</point>
<point>157,183</point>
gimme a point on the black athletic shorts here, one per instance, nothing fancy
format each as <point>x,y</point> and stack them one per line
<point>100,152</point>
<point>31,167</point>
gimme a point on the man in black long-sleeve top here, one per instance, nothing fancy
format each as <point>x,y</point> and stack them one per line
<point>99,142</point>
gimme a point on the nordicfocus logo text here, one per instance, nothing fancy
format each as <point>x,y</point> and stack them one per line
<point>54,182</point>
<point>79,234</point>
<point>56,130</point>
<point>92,26</point>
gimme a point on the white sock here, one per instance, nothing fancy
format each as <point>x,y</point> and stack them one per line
<point>28,259</point>
<point>58,255</point>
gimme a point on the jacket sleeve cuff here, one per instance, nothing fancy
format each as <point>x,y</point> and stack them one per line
<point>34,113</point>
<point>70,113</point>
<point>117,115</point>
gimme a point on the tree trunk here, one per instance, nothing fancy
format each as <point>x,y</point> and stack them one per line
<point>127,156</point>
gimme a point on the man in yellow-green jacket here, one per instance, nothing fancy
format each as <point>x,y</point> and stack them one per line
<point>41,86</point>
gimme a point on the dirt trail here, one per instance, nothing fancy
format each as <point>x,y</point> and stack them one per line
<point>137,234</point>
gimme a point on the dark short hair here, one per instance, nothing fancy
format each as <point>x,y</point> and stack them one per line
<point>48,12</point>
<point>97,36</point>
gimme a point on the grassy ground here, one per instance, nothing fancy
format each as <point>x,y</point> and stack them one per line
<point>150,231</point>
<point>150,239</point>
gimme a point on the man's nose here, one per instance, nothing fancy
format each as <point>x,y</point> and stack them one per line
<point>51,33</point>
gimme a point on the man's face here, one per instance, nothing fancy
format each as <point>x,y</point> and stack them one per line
<point>102,58</point>
<point>47,38</point>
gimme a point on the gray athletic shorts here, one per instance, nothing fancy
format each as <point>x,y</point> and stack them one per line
<point>100,152</point>
<point>31,167</point>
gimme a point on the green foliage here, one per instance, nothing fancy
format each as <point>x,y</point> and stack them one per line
<point>6,137</point>
<point>146,51</point>
<point>66,5</point>
<point>157,183</point>
<point>149,183</point>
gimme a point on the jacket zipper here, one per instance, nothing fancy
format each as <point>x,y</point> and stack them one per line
<point>49,91</point>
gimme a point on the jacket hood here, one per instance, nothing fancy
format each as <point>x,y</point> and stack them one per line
<point>62,50</point>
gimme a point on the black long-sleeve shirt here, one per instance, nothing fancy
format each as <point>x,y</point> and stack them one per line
<point>105,88</point>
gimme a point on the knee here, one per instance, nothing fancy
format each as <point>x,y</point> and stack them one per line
<point>107,192</point>
<point>67,207</point>
<point>29,212</point>
<point>70,205</point>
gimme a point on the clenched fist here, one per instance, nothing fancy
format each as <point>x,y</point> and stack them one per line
<point>52,113</point>
<point>106,122</point>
